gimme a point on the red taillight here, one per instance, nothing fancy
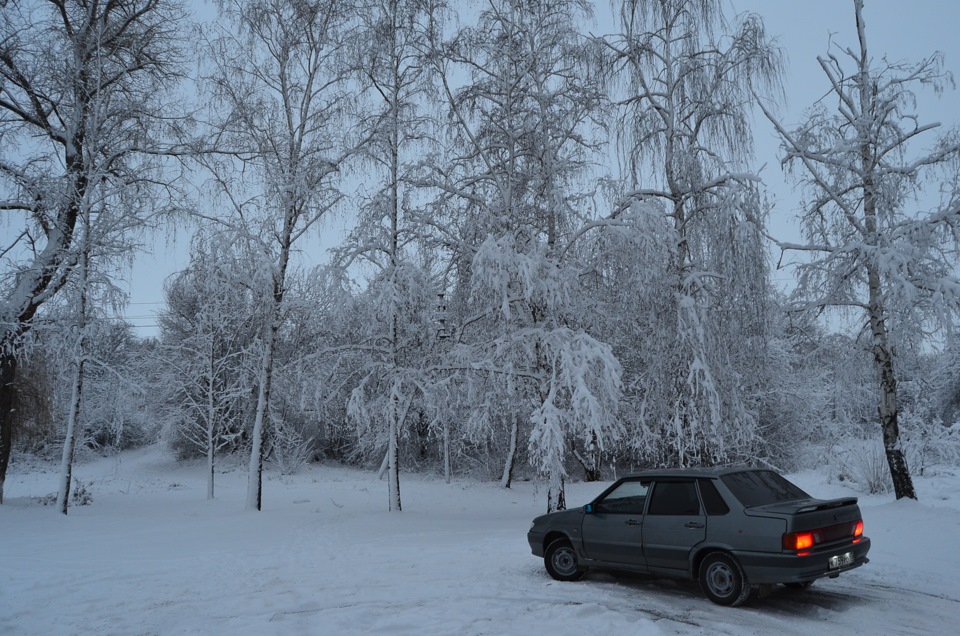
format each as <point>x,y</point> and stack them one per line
<point>798,540</point>
<point>858,531</point>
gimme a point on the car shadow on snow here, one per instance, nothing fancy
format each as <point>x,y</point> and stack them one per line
<point>775,599</point>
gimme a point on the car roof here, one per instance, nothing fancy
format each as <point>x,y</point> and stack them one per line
<point>716,471</point>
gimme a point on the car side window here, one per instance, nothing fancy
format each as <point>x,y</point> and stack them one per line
<point>628,498</point>
<point>712,500</point>
<point>674,498</point>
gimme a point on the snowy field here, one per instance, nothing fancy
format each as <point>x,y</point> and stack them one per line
<point>151,555</point>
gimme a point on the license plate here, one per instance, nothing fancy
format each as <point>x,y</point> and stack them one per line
<point>841,560</point>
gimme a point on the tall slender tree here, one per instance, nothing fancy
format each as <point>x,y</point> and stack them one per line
<point>391,47</point>
<point>869,249</point>
<point>277,146</point>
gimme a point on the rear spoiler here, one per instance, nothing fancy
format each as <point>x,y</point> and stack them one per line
<point>828,504</point>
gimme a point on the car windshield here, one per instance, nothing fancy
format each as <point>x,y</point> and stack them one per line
<point>761,487</point>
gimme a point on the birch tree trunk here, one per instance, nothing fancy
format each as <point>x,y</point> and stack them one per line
<point>446,451</point>
<point>393,132</point>
<point>70,439</point>
<point>507,477</point>
<point>76,397</point>
<point>882,355</point>
<point>255,468</point>
<point>211,423</point>
<point>8,392</point>
<point>393,463</point>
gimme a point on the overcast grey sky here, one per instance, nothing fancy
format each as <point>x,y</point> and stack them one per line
<point>900,30</point>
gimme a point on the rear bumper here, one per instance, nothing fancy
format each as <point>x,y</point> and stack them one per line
<point>763,568</point>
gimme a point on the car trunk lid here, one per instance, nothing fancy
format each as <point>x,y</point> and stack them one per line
<point>808,514</point>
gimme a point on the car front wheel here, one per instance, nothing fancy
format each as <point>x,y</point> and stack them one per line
<point>561,561</point>
<point>722,580</point>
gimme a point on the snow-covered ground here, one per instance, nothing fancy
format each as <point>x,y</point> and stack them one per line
<point>151,555</point>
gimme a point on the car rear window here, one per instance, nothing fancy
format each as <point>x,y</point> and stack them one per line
<point>761,487</point>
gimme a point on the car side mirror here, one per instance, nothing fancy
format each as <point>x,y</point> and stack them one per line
<point>588,508</point>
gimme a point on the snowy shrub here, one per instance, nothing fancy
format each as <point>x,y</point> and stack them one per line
<point>864,463</point>
<point>290,450</point>
<point>929,444</point>
<point>80,496</point>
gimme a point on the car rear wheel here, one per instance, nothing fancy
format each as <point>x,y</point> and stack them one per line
<point>561,561</point>
<point>722,580</point>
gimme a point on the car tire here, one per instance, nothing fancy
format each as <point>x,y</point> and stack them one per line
<point>561,561</point>
<point>722,580</point>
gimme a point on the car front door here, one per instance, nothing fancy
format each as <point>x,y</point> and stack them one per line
<point>673,525</point>
<point>613,529</point>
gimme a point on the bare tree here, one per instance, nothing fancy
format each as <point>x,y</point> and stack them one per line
<point>82,90</point>
<point>868,250</point>
<point>278,144</point>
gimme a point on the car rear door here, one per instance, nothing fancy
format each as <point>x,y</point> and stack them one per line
<point>613,529</point>
<point>673,525</point>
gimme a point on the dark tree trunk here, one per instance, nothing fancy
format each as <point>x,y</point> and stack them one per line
<point>557,500</point>
<point>8,400</point>
<point>589,460</point>
<point>506,478</point>
<point>902,481</point>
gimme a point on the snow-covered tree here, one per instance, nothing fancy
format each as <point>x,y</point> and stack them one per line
<point>83,89</point>
<point>948,381</point>
<point>391,46</point>
<point>871,248</point>
<point>207,334</point>
<point>278,143</point>
<point>683,80</point>
<point>515,193</point>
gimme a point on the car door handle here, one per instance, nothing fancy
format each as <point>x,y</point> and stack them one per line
<point>632,522</point>
<point>693,524</point>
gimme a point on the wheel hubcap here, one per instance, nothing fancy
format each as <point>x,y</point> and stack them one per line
<point>720,579</point>
<point>564,561</point>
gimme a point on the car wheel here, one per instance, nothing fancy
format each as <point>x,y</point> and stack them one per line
<point>561,561</point>
<point>722,580</point>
